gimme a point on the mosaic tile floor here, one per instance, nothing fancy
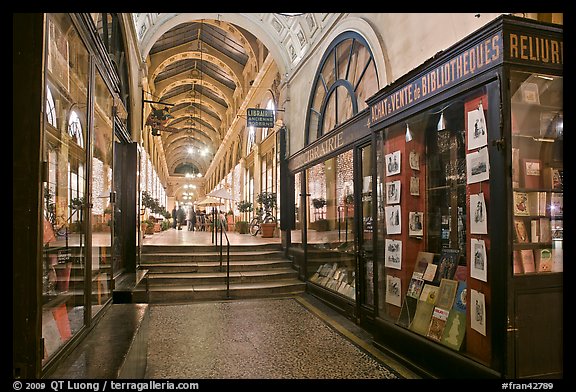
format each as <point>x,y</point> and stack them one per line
<point>252,339</point>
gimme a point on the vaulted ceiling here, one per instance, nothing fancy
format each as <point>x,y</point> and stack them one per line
<point>202,66</point>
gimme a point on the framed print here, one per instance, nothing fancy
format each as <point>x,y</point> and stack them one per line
<point>477,132</point>
<point>414,159</point>
<point>478,266</point>
<point>393,290</point>
<point>478,311</point>
<point>393,163</point>
<point>415,224</point>
<point>393,219</point>
<point>477,166</point>
<point>478,216</point>
<point>415,186</point>
<point>393,254</point>
<point>393,192</point>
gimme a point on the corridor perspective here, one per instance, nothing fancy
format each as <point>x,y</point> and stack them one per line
<point>288,196</point>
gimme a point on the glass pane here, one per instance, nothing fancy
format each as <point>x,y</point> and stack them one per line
<point>367,87</point>
<point>345,109</point>
<point>366,240</point>
<point>331,256</point>
<point>64,210</point>
<point>342,57</point>
<point>296,234</point>
<point>537,173</point>
<point>329,119</point>
<point>102,209</point>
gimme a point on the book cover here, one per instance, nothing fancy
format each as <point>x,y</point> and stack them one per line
<point>460,297</point>
<point>543,260</point>
<point>553,178</point>
<point>557,260</point>
<point>415,286</point>
<point>437,323</point>
<point>517,263</point>
<point>521,204</point>
<point>454,330</point>
<point>515,167</point>
<point>531,173</point>
<point>536,203</point>
<point>429,293</point>
<point>527,257</point>
<point>449,259</point>
<point>461,273</point>
<point>422,261</point>
<point>520,232</point>
<point>430,272</point>
<point>407,311</point>
<point>421,321</point>
<point>557,228</point>
<point>545,230</point>
<point>557,205</point>
<point>446,293</point>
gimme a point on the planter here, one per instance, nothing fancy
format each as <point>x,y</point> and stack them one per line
<point>267,229</point>
<point>242,227</point>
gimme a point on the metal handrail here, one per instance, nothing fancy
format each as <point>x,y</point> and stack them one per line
<point>223,231</point>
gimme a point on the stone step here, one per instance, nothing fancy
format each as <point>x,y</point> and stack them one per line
<point>172,294</point>
<point>214,266</point>
<point>209,256</point>
<point>153,249</point>
<point>211,278</point>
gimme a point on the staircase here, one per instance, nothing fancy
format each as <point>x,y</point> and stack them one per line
<point>185,273</point>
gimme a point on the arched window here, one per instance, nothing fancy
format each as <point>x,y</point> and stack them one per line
<point>251,138</point>
<point>75,129</point>
<point>50,108</point>
<point>270,105</point>
<point>345,79</point>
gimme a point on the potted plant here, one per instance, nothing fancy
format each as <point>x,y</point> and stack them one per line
<point>268,202</point>
<point>243,206</point>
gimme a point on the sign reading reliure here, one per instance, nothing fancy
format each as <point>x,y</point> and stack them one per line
<point>464,65</point>
<point>260,118</point>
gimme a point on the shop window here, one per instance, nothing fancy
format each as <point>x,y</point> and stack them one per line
<point>64,231</point>
<point>330,230</point>
<point>433,203</point>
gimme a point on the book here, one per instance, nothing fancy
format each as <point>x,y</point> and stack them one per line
<point>557,260</point>
<point>556,204</point>
<point>421,321</point>
<point>437,323</point>
<point>455,328</point>
<point>515,167</point>
<point>527,257</point>
<point>557,228</point>
<point>422,261</point>
<point>407,311</point>
<point>535,230</point>
<point>529,93</point>
<point>430,272</point>
<point>536,203</point>
<point>517,263</point>
<point>415,286</point>
<point>446,293</point>
<point>520,232</point>
<point>429,293</point>
<point>553,178</point>
<point>449,260</point>
<point>531,174</point>
<point>543,260</point>
<point>521,204</point>
<point>545,230</point>
<point>461,273</point>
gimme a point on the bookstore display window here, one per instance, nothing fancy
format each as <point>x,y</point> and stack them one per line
<point>433,245</point>
<point>65,144</point>
<point>330,234</point>
<point>537,173</point>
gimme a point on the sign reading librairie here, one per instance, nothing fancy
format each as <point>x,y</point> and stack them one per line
<point>260,118</point>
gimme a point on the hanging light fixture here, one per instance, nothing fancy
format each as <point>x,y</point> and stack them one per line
<point>441,122</point>
<point>408,133</point>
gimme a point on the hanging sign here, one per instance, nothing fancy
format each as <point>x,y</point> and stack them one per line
<point>260,118</point>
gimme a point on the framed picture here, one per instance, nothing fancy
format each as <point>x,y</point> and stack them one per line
<point>477,166</point>
<point>393,163</point>
<point>393,290</point>
<point>529,93</point>
<point>477,132</point>
<point>478,216</point>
